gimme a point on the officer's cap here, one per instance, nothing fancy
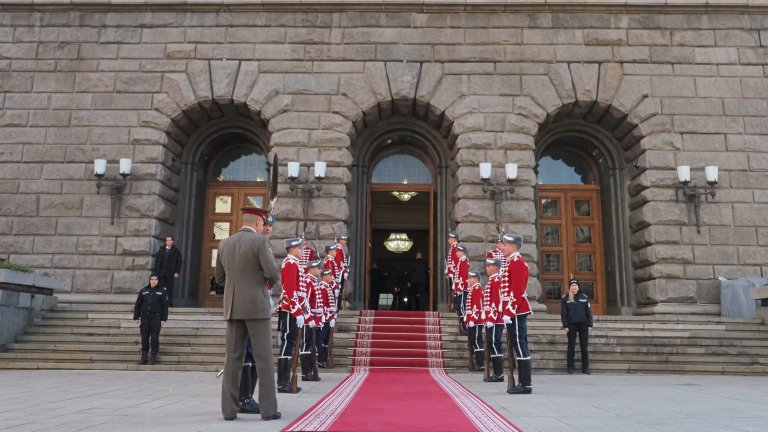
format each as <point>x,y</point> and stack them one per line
<point>453,234</point>
<point>270,219</point>
<point>291,243</point>
<point>574,281</point>
<point>256,211</point>
<point>326,272</point>
<point>331,247</point>
<point>513,239</point>
<point>493,262</point>
<point>463,248</point>
<point>343,236</point>
<point>313,264</point>
<point>474,274</point>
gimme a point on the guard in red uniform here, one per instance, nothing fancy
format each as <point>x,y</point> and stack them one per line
<point>494,319</point>
<point>330,264</point>
<point>498,253</point>
<point>461,286</point>
<point>326,289</point>
<point>313,319</point>
<point>450,265</point>
<point>475,321</point>
<point>514,280</point>
<point>307,253</point>
<point>291,315</point>
<point>342,259</point>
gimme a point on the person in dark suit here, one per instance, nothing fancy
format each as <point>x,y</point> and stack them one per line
<point>245,265</point>
<point>418,277</point>
<point>168,266</point>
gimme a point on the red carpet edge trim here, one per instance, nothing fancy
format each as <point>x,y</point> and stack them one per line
<point>324,413</point>
<point>477,411</point>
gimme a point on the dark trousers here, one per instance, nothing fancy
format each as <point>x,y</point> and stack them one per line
<point>286,325</point>
<point>494,339</point>
<point>517,332</point>
<point>420,299</point>
<point>460,303</point>
<point>582,331</point>
<point>324,334</point>
<point>167,282</point>
<point>307,344</point>
<point>475,337</point>
<point>150,333</point>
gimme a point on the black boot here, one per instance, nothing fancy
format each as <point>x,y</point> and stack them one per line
<point>306,368</point>
<point>245,385</point>
<point>313,367</point>
<point>143,359</point>
<point>283,375</point>
<point>153,358</point>
<point>480,360</point>
<point>498,370</point>
<point>322,356</point>
<point>524,387</point>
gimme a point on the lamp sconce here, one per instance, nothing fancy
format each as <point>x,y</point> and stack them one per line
<point>116,187</point>
<point>693,194</point>
<point>304,188</point>
<point>496,191</point>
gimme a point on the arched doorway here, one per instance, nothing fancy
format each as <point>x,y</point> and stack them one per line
<point>225,157</point>
<point>400,230</point>
<point>236,178</point>
<point>396,149</point>
<point>570,227</point>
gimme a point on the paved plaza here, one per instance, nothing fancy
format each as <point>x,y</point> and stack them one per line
<point>65,401</point>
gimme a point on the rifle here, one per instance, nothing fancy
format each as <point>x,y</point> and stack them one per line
<point>471,353</point>
<point>313,354</point>
<point>487,371</point>
<point>512,362</point>
<point>295,361</point>
<point>330,347</point>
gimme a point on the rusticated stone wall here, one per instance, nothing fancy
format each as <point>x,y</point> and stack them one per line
<point>669,89</point>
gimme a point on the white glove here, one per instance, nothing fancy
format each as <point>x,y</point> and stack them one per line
<point>300,321</point>
<point>471,324</point>
<point>312,324</point>
<point>489,324</point>
<point>507,320</point>
<point>332,323</point>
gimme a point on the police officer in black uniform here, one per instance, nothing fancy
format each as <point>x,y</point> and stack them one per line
<point>576,315</point>
<point>150,310</point>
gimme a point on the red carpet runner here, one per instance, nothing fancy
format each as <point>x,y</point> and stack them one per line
<point>398,384</point>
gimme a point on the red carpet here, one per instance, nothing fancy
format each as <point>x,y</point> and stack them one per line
<point>399,384</point>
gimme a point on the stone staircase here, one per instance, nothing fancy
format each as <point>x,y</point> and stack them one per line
<point>103,336</point>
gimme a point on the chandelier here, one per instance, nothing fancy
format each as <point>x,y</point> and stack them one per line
<point>404,196</point>
<point>398,243</point>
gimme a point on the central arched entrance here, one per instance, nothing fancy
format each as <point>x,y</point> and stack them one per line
<point>400,209</point>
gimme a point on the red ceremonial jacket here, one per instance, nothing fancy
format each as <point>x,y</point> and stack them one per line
<point>330,263</point>
<point>307,255</point>
<point>474,305</point>
<point>314,301</point>
<point>514,280</point>
<point>492,303</point>
<point>290,275</point>
<point>452,261</point>
<point>329,301</point>
<point>341,263</point>
<point>460,277</point>
<point>498,253</point>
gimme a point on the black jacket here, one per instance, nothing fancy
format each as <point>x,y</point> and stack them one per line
<point>167,263</point>
<point>151,301</point>
<point>578,312</point>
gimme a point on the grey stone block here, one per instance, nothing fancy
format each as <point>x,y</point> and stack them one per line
<point>693,37</point>
<point>92,281</point>
<point>716,55</point>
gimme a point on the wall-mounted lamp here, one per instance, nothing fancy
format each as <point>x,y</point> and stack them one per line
<point>693,194</point>
<point>116,187</point>
<point>495,191</point>
<point>304,188</point>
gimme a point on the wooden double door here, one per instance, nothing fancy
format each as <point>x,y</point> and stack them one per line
<point>571,243</point>
<point>222,219</point>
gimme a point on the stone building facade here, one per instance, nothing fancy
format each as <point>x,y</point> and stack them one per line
<point>632,88</point>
